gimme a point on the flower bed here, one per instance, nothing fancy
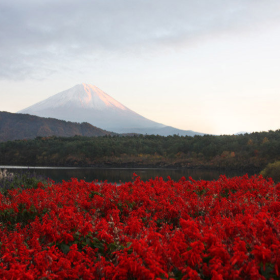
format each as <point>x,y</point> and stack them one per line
<point>224,229</point>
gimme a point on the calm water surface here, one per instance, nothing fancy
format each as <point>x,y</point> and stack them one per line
<point>117,175</point>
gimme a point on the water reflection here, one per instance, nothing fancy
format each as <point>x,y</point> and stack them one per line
<point>123,175</point>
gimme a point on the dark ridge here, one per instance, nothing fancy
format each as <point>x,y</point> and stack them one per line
<point>15,126</point>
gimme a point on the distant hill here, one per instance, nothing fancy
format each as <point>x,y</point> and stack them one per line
<point>88,103</point>
<point>24,126</point>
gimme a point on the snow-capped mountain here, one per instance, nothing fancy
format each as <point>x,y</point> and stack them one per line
<point>87,103</point>
<point>80,96</point>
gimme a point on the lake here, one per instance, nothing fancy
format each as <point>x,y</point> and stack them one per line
<point>117,175</point>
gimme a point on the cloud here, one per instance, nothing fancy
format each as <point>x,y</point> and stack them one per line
<point>39,38</point>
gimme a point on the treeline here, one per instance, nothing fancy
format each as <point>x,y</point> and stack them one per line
<point>248,151</point>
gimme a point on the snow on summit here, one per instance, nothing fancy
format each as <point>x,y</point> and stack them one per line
<point>93,92</point>
<point>82,95</point>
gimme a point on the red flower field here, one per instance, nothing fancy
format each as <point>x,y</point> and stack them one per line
<point>224,229</point>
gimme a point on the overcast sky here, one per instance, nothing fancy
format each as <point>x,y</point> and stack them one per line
<point>207,65</point>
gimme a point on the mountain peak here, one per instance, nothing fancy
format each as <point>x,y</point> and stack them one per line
<point>88,103</point>
<point>94,92</point>
<point>80,96</point>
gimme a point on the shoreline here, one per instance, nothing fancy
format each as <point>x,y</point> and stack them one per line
<point>132,166</point>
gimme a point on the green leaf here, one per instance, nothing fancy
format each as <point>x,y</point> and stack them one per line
<point>64,248</point>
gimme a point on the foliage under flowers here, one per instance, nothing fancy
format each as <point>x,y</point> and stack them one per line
<point>20,180</point>
<point>224,229</point>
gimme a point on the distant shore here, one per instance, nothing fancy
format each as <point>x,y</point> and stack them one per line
<point>132,165</point>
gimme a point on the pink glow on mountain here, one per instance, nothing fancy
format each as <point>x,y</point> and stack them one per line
<point>87,90</point>
<point>108,100</point>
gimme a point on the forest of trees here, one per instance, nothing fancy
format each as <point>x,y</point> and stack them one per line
<point>248,151</point>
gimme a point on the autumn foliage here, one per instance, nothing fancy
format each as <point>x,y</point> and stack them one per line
<point>224,229</point>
